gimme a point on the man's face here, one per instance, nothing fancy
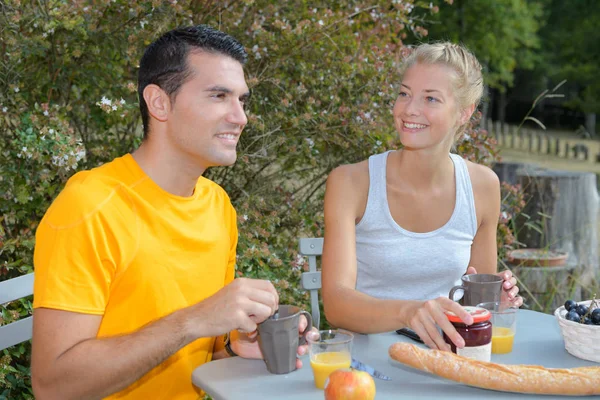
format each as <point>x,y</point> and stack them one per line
<point>207,116</point>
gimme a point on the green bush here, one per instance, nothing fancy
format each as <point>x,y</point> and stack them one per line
<point>324,80</point>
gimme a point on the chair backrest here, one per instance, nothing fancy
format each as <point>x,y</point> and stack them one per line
<point>311,280</point>
<point>21,330</point>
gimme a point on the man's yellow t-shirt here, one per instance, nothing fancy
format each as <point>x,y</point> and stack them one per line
<point>115,244</point>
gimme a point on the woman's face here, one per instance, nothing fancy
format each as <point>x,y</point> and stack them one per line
<point>426,113</point>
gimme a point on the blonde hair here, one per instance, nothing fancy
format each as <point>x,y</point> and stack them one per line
<point>467,80</point>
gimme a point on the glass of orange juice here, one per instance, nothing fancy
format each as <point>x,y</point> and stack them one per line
<point>504,326</point>
<point>331,350</point>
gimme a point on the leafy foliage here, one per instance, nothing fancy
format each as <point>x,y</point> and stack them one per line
<point>571,49</point>
<point>502,33</point>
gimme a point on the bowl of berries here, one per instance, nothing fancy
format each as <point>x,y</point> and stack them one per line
<point>580,327</point>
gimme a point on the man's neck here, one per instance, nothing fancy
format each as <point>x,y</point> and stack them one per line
<point>174,174</point>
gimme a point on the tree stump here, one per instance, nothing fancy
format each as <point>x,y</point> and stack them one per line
<point>561,214</point>
<point>507,171</point>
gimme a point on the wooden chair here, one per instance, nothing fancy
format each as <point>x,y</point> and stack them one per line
<point>21,330</point>
<point>311,280</point>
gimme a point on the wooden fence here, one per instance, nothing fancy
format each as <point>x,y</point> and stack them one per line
<point>542,142</point>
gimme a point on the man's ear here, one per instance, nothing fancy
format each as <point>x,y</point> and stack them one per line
<point>466,113</point>
<point>157,101</point>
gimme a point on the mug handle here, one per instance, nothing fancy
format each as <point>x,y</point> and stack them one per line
<point>453,290</point>
<point>302,340</point>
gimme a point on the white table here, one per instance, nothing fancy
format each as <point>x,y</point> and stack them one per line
<point>538,341</point>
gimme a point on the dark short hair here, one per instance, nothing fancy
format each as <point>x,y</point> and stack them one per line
<point>164,62</point>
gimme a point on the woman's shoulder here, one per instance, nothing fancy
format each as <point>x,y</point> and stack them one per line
<point>349,181</point>
<point>483,178</point>
<point>356,173</point>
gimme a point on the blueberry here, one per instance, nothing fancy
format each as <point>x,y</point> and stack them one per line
<point>573,316</point>
<point>596,316</point>
<point>569,304</point>
<point>588,321</point>
<point>581,309</point>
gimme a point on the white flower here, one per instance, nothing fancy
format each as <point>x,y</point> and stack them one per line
<point>24,149</point>
<point>114,108</point>
<point>105,101</point>
<point>378,143</point>
<point>4,109</point>
<point>46,113</point>
<point>321,22</point>
<point>245,217</point>
<point>51,131</point>
<point>17,90</point>
<point>122,101</point>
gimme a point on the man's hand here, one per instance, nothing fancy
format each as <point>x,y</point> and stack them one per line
<point>240,306</point>
<point>246,345</point>
<point>509,287</point>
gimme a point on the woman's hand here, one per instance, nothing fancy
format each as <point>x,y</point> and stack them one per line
<point>510,289</point>
<point>428,315</point>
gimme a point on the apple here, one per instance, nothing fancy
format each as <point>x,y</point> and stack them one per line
<point>349,384</point>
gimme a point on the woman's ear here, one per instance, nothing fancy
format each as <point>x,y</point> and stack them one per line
<point>158,102</point>
<point>466,113</point>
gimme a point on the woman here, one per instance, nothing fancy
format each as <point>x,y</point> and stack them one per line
<point>402,227</point>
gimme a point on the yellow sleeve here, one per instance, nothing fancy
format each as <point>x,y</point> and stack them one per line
<point>72,258</point>
<point>230,274</point>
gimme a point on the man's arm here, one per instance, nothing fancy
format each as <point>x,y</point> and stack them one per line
<point>69,362</point>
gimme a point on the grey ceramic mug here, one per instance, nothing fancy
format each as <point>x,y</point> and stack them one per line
<point>278,338</point>
<point>479,288</point>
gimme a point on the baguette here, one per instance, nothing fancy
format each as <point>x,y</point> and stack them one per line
<point>580,381</point>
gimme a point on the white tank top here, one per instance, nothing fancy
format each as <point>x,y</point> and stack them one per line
<point>394,263</point>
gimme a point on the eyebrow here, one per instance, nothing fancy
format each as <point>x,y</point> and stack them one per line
<point>426,90</point>
<point>222,89</point>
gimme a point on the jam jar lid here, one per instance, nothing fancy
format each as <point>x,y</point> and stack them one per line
<point>479,315</point>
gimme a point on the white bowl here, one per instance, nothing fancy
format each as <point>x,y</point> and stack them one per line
<point>582,341</point>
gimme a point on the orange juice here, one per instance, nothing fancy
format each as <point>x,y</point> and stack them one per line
<point>324,364</point>
<point>502,340</point>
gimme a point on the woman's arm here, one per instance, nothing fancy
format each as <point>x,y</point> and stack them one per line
<point>486,190</point>
<point>484,251</point>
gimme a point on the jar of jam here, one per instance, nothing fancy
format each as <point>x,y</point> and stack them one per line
<point>478,336</point>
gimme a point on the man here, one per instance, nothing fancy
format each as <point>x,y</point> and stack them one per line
<point>134,260</point>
